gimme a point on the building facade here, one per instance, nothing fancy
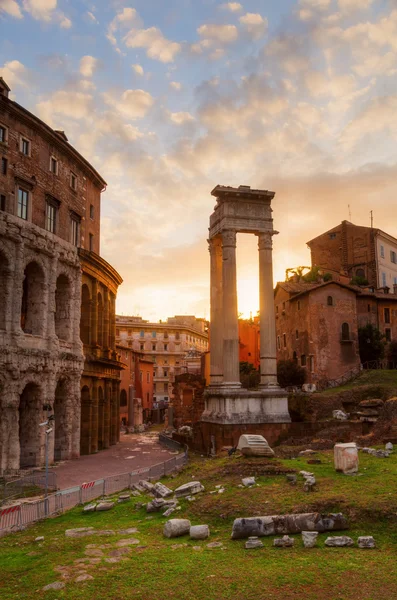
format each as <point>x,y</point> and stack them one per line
<point>357,251</point>
<point>136,387</point>
<point>166,344</point>
<point>249,341</point>
<point>49,255</point>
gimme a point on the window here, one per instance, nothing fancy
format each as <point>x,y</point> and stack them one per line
<point>295,358</point>
<point>4,165</point>
<point>141,334</point>
<point>283,305</point>
<point>330,301</point>
<point>332,236</point>
<point>393,257</point>
<point>91,211</point>
<point>165,397</point>
<point>91,242</point>
<point>387,315</point>
<point>148,377</point>
<point>277,309</point>
<point>303,360</point>
<point>299,304</point>
<point>23,199</point>
<point>296,334</point>
<point>166,335</point>
<point>382,251</point>
<point>2,202</point>
<point>177,335</point>
<point>360,273</point>
<point>369,308</point>
<point>25,146</point>
<point>388,335</point>
<point>3,134</point>
<point>311,363</point>
<point>54,165</point>
<point>75,230</point>
<point>165,371</point>
<point>50,217</point>
<point>384,282</point>
<point>165,347</point>
<point>73,181</point>
<point>142,347</point>
<point>153,347</point>
<point>284,340</point>
<point>154,334</point>
<point>345,332</point>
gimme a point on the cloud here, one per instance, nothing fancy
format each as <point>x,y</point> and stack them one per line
<point>156,45</point>
<point>88,66</point>
<point>224,34</point>
<point>125,18</point>
<point>45,10</point>
<point>254,24</point>
<point>180,118</point>
<point>349,6</point>
<point>92,17</point>
<point>232,6</point>
<point>176,85</point>
<point>74,105</point>
<point>138,69</point>
<point>15,74</point>
<point>11,7</point>
<point>133,104</point>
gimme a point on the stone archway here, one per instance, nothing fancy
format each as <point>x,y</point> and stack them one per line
<point>85,325</point>
<point>3,289</point>
<point>85,427</point>
<point>62,308</point>
<point>33,306</point>
<point>30,417</point>
<point>61,434</point>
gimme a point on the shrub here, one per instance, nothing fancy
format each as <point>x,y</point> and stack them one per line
<point>290,373</point>
<point>371,344</point>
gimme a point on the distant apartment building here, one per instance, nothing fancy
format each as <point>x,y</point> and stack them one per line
<point>136,386</point>
<point>171,345</point>
<point>358,251</point>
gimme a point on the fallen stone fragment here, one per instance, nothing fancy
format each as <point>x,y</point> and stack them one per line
<point>307,452</point>
<point>161,491</point>
<point>199,532</point>
<point>291,478</point>
<point>248,481</point>
<point>340,415</point>
<point>169,512</point>
<point>176,527</point>
<point>158,504</point>
<point>254,445</point>
<point>221,490</point>
<point>389,447</point>
<point>215,545</point>
<point>80,532</point>
<point>197,548</point>
<point>81,578</point>
<point>287,524</point>
<point>309,484</point>
<point>188,489</point>
<point>346,458</point>
<point>135,493</point>
<point>138,488</point>
<point>39,539</point>
<point>366,541</point>
<point>57,585</point>
<point>105,506</point>
<point>124,498</point>
<point>146,485</point>
<point>339,541</point>
<point>89,508</point>
<point>309,538</point>
<point>284,542</point>
<point>127,542</point>
<point>128,531</point>
<point>253,542</point>
<point>177,546</point>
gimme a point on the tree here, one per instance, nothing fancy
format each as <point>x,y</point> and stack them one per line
<point>290,373</point>
<point>357,280</point>
<point>392,354</point>
<point>371,343</point>
<point>249,376</point>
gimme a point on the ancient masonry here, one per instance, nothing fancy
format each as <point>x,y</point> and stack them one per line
<point>227,404</point>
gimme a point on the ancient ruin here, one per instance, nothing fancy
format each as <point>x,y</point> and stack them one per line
<point>241,210</point>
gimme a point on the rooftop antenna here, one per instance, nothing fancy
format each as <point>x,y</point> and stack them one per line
<point>350,213</point>
<point>372,218</point>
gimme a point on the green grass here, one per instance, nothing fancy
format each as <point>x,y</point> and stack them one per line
<point>382,377</point>
<point>156,570</point>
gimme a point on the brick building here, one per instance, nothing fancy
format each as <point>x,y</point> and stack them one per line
<point>249,338</point>
<point>136,387</point>
<point>357,251</point>
<point>54,288</point>
<point>167,344</point>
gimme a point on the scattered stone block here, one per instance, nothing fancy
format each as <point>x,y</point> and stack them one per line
<point>57,585</point>
<point>128,531</point>
<point>215,545</point>
<point>389,447</point>
<point>161,491</point>
<point>188,489</point>
<point>124,498</point>
<point>340,415</point>
<point>105,506</point>
<point>135,493</point>
<point>146,485</point>
<point>248,481</point>
<point>158,504</point>
<point>287,524</point>
<point>309,484</point>
<point>199,532</point>
<point>309,538</point>
<point>79,532</point>
<point>254,445</point>
<point>307,452</point>
<point>253,542</point>
<point>346,458</point>
<point>90,508</point>
<point>39,539</point>
<point>138,488</point>
<point>85,577</point>
<point>169,512</point>
<point>291,478</point>
<point>366,541</point>
<point>284,542</point>
<point>176,527</point>
<point>339,541</point>
<point>127,542</point>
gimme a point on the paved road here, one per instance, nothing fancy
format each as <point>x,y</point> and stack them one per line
<point>133,451</point>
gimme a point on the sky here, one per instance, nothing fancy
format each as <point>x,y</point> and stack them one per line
<point>168,98</point>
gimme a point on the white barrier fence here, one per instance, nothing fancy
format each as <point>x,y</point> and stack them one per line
<point>13,518</point>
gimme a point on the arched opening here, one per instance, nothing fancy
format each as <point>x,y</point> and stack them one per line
<point>330,301</point>
<point>100,418</point>
<point>345,332</point>
<point>360,273</point>
<point>85,315</point>
<point>123,398</point>
<point>61,445</point>
<point>295,358</point>
<point>62,308</point>
<point>3,289</point>
<point>100,320</point>
<point>32,310</point>
<point>30,417</point>
<point>85,426</point>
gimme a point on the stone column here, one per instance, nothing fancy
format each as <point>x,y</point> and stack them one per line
<point>231,369</point>
<point>216,326</point>
<point>266,311</point>
<point>106,312</point>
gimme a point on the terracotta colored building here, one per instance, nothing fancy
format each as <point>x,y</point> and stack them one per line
<point>249,338</point>
<point>379,309</point>
<point>358,251</point>
<point>317,326</point>
<point>136,387</point>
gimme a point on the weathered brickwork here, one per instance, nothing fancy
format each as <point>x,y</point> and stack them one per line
<point>188,403</point>
<point>41,357</point>
<point>136,387</point>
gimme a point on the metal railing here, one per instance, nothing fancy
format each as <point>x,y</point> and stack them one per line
<point>27,486</point>
<point>14,518</point>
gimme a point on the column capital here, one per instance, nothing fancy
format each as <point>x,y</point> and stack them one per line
<point>265,241</point>
<point>229,238</point>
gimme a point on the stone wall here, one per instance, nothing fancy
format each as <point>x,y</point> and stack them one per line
<point>188,404</point>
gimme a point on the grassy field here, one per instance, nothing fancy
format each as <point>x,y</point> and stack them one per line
<point>157,567</point>
<point>382,377</point>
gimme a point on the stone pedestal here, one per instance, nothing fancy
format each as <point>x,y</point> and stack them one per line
<point>346,458</point>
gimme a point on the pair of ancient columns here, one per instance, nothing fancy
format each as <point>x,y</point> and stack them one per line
<point>224,337</point>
